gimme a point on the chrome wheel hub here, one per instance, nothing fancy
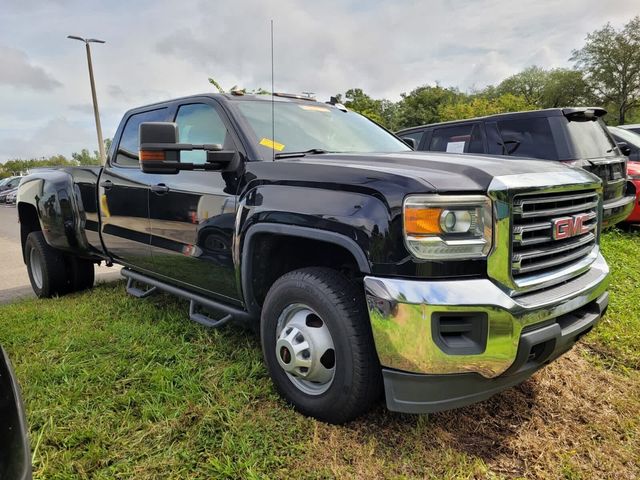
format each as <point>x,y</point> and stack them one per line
<point>304,349</point>
<point>35,262</point>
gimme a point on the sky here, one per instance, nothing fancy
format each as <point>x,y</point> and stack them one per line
<point>161,49</point>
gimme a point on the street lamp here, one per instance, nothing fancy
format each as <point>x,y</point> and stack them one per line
<point>87,41</point>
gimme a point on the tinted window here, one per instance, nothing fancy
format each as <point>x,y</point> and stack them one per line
<point>127,154</point>
<point>199,123</point>
<point>417,136</point>
<point>527,137</point>
<point>590,139</point>
<point>457,139</point>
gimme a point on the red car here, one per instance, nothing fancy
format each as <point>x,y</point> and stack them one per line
<point>633,170</point>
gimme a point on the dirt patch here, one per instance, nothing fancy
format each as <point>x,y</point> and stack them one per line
<point>570,420</point>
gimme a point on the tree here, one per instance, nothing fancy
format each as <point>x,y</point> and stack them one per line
<point>480,105</point>
<point>559,87</point>
<point>610,59</point>
<point>84,157</point>
<point>355,99</point>
<point>422,105</point>
<point>529,84</point>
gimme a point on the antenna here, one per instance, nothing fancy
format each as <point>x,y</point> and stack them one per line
<point>273,122</point>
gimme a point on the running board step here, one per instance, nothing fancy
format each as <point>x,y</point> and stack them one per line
<point>133,289</point>
<point>205,320</point>
<point>136,282</point>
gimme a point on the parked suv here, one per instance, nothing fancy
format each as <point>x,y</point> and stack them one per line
<point>573,136</point>
<point>364,265</point>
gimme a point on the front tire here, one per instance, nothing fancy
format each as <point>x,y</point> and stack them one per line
<point>318,346</point>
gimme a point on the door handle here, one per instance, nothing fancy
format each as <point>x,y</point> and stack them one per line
<point>159,189</point>
<point>106,184</point>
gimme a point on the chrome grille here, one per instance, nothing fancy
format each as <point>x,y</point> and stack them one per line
<point>535,249</point>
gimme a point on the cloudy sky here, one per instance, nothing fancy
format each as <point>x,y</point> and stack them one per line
<point>158,49</point>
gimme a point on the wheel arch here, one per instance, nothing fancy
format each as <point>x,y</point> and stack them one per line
<point>276,238</point>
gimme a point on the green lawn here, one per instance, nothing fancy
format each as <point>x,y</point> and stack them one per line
<point>117,387</point>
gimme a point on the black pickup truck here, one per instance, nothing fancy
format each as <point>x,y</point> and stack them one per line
<point>366,266</point>
<point>574,136</point>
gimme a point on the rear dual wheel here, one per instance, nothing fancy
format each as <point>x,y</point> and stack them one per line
<point>318,346</point>
<point>53,273</point>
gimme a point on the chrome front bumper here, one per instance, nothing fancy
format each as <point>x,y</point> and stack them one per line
<point>403,314</point>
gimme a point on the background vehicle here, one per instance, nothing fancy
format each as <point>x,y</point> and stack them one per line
<point>10,183</point>
<point>634,176</point>
<point>15,454</point>
<point>630,138</point>
<point>4,195</point>
<point>635,128</point>
<point>575,136</point>
<point>336,241</point>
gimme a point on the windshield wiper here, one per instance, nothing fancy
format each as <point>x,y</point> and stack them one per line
<point>311,151</point>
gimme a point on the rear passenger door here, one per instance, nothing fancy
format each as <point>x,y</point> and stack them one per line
<point>193,212</point>
<point>123,193</point>
<point>465,138</point>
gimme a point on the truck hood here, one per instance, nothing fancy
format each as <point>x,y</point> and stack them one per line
<point>442,171</point>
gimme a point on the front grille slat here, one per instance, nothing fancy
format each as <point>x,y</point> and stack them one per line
<point>534,249</point>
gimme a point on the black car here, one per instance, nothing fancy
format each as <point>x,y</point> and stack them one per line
<point>574,136</point>
<point>15,457</point>
<point>630,138</point>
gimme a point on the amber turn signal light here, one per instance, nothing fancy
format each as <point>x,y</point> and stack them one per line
<point>422,221</point>
<point>149,155</point>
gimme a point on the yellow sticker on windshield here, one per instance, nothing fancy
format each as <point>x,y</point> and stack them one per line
<point>314,108</point>
<point>266,142</point>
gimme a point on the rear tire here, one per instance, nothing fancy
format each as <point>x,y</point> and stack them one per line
<point>46,267</point>
<point>315,326</point>
<point>81,274</point>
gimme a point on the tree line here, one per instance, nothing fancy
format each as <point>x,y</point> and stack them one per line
<point>606,72</point>
<point>20,166</point>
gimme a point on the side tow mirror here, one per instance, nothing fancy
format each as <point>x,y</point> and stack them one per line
<point>411,142</point>
<point>625,149</point>
<point>160,151</point>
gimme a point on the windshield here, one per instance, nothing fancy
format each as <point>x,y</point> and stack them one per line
<point>590,139</point>
<point>300,127</point>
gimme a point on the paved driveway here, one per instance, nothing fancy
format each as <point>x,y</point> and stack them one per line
<point>14,280</point>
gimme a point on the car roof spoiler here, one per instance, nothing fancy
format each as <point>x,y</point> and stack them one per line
<point>583,113</point>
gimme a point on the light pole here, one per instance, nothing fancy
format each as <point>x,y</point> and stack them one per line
<point>87,41</point>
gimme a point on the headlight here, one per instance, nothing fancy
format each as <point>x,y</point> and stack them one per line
<point>448,226</point>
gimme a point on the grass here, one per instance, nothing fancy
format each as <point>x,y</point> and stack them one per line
<point>117,387</point>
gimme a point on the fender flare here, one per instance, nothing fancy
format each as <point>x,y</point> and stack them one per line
<point>293,231</point>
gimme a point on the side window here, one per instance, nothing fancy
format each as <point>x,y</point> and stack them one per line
<point>417,136</point>
<point>527,137</point>
<point>199,123</point>
<point>127,153</point>
<point>457,139</point>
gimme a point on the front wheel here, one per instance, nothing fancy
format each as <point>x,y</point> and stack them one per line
<point>318,346</point>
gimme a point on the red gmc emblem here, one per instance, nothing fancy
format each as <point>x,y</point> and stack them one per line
<point>567,227</point>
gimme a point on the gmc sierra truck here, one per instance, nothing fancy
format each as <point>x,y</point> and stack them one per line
<point>365,266</point>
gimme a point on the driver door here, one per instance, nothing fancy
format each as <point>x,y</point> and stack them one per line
<point>192,213</point>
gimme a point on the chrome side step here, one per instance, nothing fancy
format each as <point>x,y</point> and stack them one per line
<point>136,283</point>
